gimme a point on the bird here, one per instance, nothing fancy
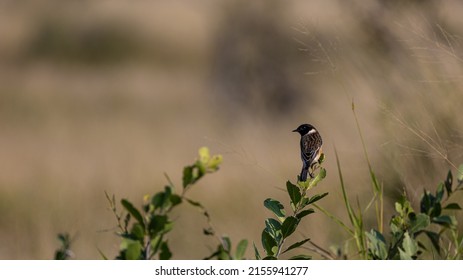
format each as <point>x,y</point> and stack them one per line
<point>311,149</point>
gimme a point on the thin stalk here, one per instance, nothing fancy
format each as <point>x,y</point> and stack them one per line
<point>357,222</point>
<point>360,232</point>
<point>319,250</point>
<point>334,218</point>
<point>377,188</point>
<point>280,247</point>
<point>344,194</point>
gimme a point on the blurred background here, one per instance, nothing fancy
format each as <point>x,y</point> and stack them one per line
<point>109,95</point>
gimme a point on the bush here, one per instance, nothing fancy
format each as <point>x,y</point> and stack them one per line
<point>143,231</point>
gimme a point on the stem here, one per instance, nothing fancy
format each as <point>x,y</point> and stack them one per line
<point>343,189</point>
<point>280,247</point>
<point>360,233</point>
<point>319,250</point>
<point>377,189</point>
<point>112,205</point>
<point>334,218</point>
<point>393,250</point>
<point>148,249</point>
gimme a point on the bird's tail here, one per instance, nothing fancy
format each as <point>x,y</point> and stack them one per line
<point>304,172</point>
<point>303,176</point>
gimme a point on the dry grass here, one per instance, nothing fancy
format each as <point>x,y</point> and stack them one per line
<point>73,126</point>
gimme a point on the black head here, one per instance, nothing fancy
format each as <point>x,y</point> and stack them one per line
<point>303,129</point>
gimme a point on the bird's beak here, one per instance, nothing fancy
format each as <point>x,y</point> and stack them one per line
<point>295,130</point>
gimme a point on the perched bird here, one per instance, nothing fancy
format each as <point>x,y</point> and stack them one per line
<point>311,148</point>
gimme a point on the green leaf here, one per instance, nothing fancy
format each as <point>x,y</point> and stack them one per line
<point>273,227</point>
<point>138,232</point>
<point>435,238</point>
<point>155,243</point>
<point>430,205</point>
<point>269,244</point>
<point>204,155</point>
<point>226,243</point>
<point>427,202</point>
<point>162,200</point>
<point>460,173</point>
<point>452,206</point>
<point>445,220</point>
<point>159,224</point>
<point>296,245</point>
<point>201,164</point>
<point>448,182</point>
<point>194,203</point>
<point>403,207</point>
<point>376,245</point>
<point>303,184</point>
<point>301,257</point>
<point>440,192</point>
<point>289,226</point>
<point>436,210</point>
<point>187,176</point>
<point>256,252</point>
<point>133,211</point>
<point>320,176</point>
<point>223,254</point>
<point>304,202</point>
<point>214,163</point>
<point>165,253</point>
<point>132,249</point>
<point>409,248</point>
<point>304,213</point>
<point>316,198</point>
<point>206,163</point>
<point>321,159</point>
<point>175,199</point>
<point>294,193</point>
<point>418,223</point>
<point>276,207</point>
<point>198,205</point>
<point>241,249</point>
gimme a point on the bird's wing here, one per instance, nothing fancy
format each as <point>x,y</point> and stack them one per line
<point>310,145</point>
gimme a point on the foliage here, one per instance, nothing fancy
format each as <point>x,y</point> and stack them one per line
<point>433,228</point>
<point>144,230</point>
<point>64,252</point>
<point>224,250</point>
<point>277,231</point>
<point>435,221</point>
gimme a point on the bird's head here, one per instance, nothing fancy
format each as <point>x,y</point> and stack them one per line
<point>303,129</point>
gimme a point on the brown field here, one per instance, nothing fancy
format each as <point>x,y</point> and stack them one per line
<point>109,95</point>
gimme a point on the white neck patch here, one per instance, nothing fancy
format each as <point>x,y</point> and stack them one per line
<point>312,131</point>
